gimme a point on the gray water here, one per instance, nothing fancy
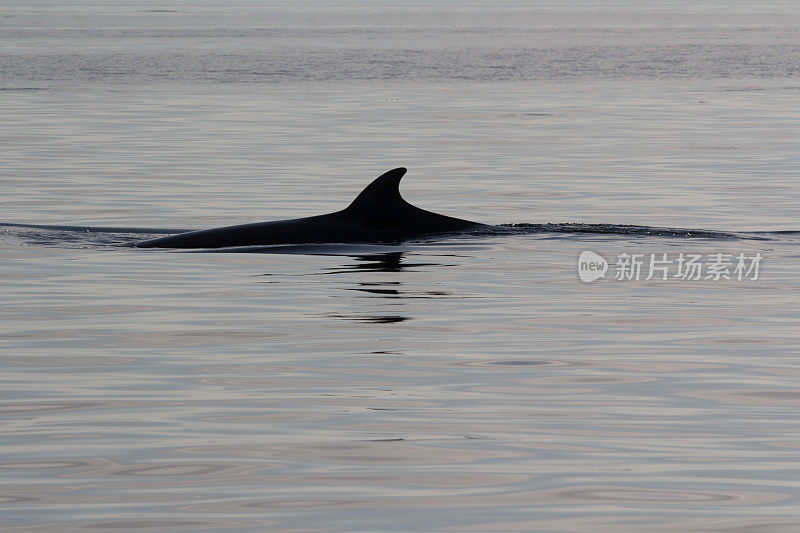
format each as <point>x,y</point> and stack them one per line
<point>461,383</point>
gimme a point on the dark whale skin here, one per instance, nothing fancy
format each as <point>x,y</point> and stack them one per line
<point>379,214</point>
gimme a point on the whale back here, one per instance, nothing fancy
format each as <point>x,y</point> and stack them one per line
<point>378,214</point>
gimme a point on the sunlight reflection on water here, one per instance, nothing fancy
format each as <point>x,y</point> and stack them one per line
<point>467,383</point>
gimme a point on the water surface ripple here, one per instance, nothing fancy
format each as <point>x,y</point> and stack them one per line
<point>466,383</point>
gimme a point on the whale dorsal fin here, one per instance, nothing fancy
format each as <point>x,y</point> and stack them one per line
<point>383,190</point>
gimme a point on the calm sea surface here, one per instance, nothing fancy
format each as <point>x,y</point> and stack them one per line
<point>469,383</point>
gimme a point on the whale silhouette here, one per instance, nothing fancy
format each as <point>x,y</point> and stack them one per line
<point>379,214</point>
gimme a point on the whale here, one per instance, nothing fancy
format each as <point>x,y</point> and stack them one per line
<point>378,215</point>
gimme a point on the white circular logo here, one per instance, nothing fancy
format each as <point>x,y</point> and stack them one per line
<point>591,266</point>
